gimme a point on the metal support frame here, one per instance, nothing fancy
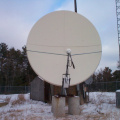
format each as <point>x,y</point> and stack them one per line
<point>66,76</point>
<point>75,5</point>
<point>118,25</point>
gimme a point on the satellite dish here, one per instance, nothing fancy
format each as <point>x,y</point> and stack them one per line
<point>89,80</point>
<point>57,34</point>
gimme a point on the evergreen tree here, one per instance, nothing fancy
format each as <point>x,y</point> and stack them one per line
<point>15,68</point>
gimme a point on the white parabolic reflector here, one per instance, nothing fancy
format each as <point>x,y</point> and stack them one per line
<point>52,36</point>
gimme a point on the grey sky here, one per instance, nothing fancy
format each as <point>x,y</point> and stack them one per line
<point>18,17</point>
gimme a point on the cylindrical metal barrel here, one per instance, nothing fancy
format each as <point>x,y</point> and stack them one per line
<point>118,98</point>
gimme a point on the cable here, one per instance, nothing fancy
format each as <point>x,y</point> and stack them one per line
<point>64,54</point>
<point>86,53</point>
<point>47,53</point>
<point>65,46</point>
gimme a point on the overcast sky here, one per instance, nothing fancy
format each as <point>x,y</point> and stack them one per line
<point>18,16</point>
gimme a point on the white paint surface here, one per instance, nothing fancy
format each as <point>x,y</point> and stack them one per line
<point>55,33</point>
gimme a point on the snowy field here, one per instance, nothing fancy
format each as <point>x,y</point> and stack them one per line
<point>101,107</point>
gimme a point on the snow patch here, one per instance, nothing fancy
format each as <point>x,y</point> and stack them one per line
<point>101,106</point>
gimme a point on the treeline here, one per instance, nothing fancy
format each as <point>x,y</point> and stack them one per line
<point>105,80</point>
<point>106,75</point>
<point>15,69</point>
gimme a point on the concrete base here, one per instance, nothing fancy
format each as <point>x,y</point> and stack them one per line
<point>58,106</point>
<point>74,105</point>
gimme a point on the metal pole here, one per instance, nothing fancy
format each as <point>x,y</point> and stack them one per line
<point>67,65</point>
<point>118,26</point>
<point>75,6</point>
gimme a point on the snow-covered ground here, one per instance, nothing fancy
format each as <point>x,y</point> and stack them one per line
<point>101,107</point>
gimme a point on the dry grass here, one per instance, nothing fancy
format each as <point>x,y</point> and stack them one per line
<point>21,99</point>
<point>100,99</point>
<point>81,108</point>
<point>111,102</point>
<point>7,99</point>
<point>97,117</point>
<point>14,115</point>
<point>32,117</point>
<point>6,118</point>
<point>3,104</point>
<point>66,119</point>
<point>99,106</point>
<point>114,116</point>
<point>42,111</point>
<point>13,110</point>
<point>11,116</point>
<point>99,102</point>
